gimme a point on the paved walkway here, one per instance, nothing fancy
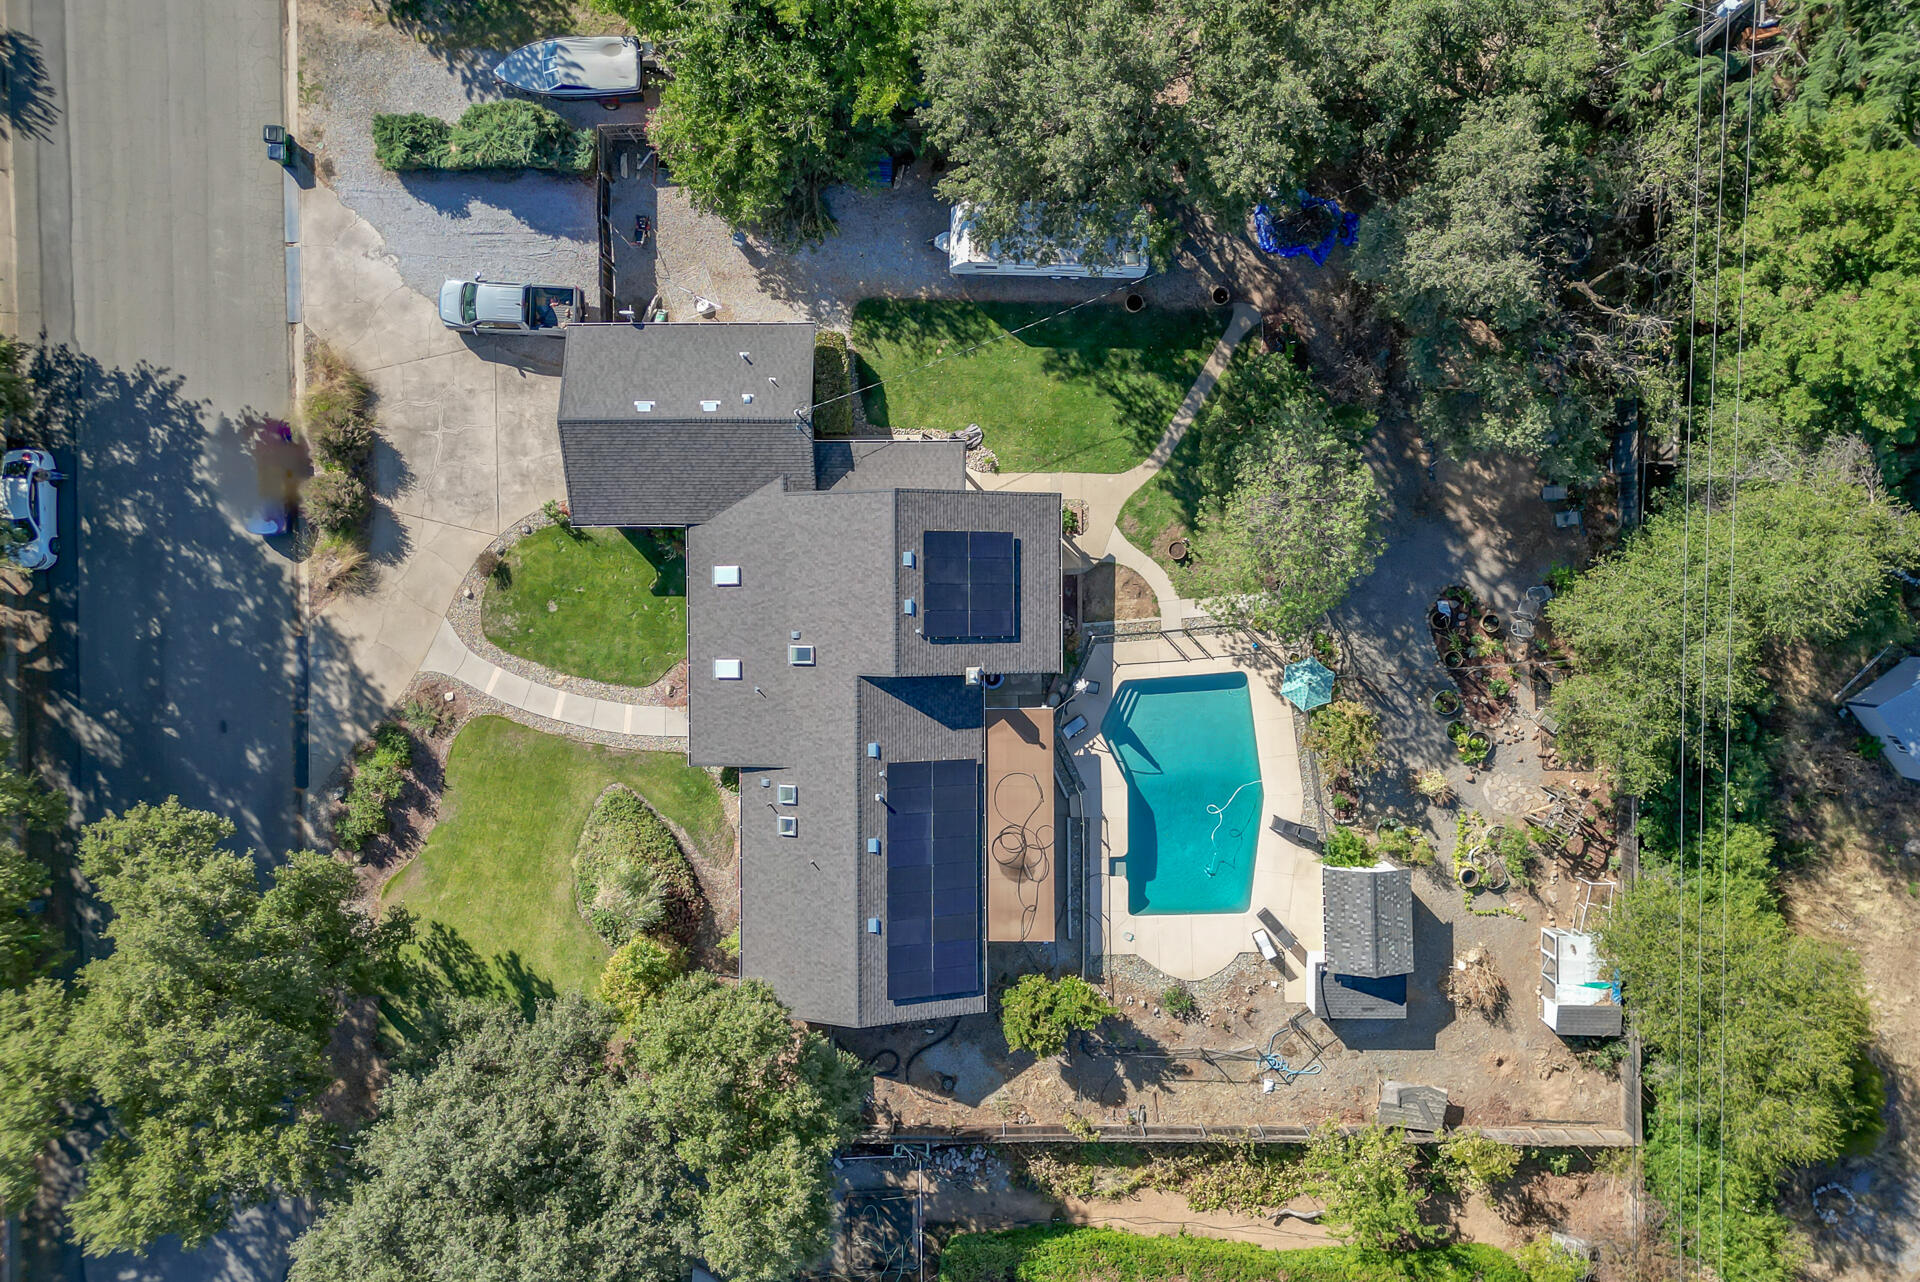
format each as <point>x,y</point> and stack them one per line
<point>1105,493</point>
<point>450,656</point>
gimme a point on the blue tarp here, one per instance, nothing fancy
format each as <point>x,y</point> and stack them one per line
<point>1312,231</point>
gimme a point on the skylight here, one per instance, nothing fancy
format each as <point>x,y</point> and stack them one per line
<point>726,576</point>
<point>726,669</point>
<point>800,656</point>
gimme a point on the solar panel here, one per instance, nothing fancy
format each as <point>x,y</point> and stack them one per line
<point>933,880</point>
<point>969,587</point>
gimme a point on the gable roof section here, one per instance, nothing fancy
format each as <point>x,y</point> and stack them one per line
<point>1034,522</point>
<point>676,463</point>
<point>1360,997</point>
<point>1367,918</point>
<point>881,464</point>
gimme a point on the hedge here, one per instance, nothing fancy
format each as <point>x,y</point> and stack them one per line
<point>488,135</point>
<point>379,773</point>
<point>1070,1254</point>
<point>630,876</point>
<point>831,382</point>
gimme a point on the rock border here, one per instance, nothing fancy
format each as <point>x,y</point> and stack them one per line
<point>670,691</point>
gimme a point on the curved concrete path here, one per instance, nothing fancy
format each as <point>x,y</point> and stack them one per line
<point>449,656</point>
<point>1105,493</point>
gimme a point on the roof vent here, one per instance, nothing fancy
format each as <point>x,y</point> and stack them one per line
<point>789,826</point>
<point>643,407</point>
<point>873,750</point>
<point>873,845</point>
<point>746,398</point>
<point>710,407</point>
<point>873,925</point>
<point>907,607</point>
<point>908,559</point>
<point>747,357</point>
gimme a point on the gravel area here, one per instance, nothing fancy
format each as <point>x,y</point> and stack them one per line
<point>521,227</point>
<point>670,691</point>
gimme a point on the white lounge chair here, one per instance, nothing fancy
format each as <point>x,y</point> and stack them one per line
<point>1264,942</point>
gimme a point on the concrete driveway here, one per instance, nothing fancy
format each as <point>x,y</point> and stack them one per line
<point>471,444</point>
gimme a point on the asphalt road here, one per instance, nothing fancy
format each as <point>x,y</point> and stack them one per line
<point>151,256</point>
<point>151,261</point>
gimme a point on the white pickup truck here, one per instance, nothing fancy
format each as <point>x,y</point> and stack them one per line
<point>490,307</point>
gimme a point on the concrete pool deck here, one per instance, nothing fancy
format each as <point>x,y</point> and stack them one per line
<point>1286,878</point>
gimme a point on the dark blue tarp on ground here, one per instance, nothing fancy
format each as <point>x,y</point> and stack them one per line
<point>1311,231</point>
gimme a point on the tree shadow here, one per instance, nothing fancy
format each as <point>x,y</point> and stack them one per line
<point>31,109</point>
<point>665,551</point>
<point>438,973</point>
<point>463,33</point>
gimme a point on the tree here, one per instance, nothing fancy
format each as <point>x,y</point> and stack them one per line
<point>1037,1013</point>
<point>773,101</point>
<point>1300,524</point>
<point>1833,302</point>
<point>1346,734</point>
<point>33,1084</point>
<point>1789,1020</point>
<point>26,803</point>
<point>1469,1162</point>
<point>1810,553</point>
<point>753,1108</point>
<point>516,1157</point>
<point>205,1031</point>
<point>1371,1194</point>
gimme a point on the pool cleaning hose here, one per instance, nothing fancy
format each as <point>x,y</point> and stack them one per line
<point>1220,817</point>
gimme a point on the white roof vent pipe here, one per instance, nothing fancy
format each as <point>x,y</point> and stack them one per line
<point>643,407</point>
<point>710,407</point>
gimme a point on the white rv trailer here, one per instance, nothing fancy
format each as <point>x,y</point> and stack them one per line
<point>967,256</point>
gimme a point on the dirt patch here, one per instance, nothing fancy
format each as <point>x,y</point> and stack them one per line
<point>1111,593</point>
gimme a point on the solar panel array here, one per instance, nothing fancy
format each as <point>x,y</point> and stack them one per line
<point>970,586</point>
<point>933,880</point>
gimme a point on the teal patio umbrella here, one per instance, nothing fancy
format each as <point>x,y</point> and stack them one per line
<point>1307,683</point>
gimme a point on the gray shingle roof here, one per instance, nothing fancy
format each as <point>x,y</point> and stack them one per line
<point>1413,1107</point>
<point>1034,522</point>
<point>890,465</point>
<point>1360,996</point>
<point>677,366</point>
<point>823,564</point>
<point>1367,917</point>
<point>675,463</point>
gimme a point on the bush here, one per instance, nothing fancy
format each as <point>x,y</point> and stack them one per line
<point>1469,1162</point>
<point>1037,1013</point>
<point>1346,848</point>
<point>410,141</point>
<point>832,385</point>
<point>342,442</point>
<point>425,717</point>
<point>1403,845</point>
<point>337,502</point>
<point>379,773</point>
<point>637,970</point>
<point>489,135</point>
<point>630,875</point>
<point>1346,734</point>
<point>1434,786</point>
<point>1179,1002</point>
<point>1074,1253</point>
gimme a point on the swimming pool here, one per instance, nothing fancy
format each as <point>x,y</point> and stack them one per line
<point>1185,747</point>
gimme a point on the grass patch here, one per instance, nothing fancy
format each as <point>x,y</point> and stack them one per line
<point>619,597</point>
<point>1068,1254</point>
<point>494,887</point>
<point>1091,391</point>
<point>832,381</point>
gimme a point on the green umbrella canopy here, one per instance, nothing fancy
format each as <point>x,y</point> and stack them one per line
<point>1308,684</point>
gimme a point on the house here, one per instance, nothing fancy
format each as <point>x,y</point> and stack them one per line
<point>1890,710</point>
<point>849,603</point>
<point>1577,993</point>
<point>1367,933</point>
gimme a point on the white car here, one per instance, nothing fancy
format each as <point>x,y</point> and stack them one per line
<point>29,476</point>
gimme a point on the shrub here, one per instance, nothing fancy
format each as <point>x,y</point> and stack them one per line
<point>730,946</point>
<point>410,141</point>
<point>1405,845</point>
<point>832,385</point>
<point>379,773</point>
<point>337,502</point>
<point>560,516</point>
<point>630,875</point>
<point>336,563</point>
<point>343,442</point>
<point>1037,1013</point>
<point>1346,848</point>
<point>1179,1002</point>
<point>425,717</point>
<point>1069,521</point>
<point>1545,1260</point>
<point>1469,1162</point>
<point>637,970</point>
<point>1498,687</point>
<point>1434,786</point>
<point>1346,734</point>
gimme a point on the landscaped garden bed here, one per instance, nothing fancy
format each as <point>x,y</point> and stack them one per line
<point>1090,391</point>
<point>1471,641</point>
<point>607,605</point>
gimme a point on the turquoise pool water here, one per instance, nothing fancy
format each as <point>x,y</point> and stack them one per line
<point>1194,801</point>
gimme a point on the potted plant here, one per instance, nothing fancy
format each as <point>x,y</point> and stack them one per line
<point>1490,623</point>
<point>1446,703</point>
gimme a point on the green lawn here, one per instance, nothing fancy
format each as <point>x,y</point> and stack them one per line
<point>494,886</point>
<point>1067,1254</point>
<point>1091,391</point>
<point>620,600</point>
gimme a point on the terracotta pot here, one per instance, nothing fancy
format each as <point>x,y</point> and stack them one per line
<point>1490,624</point>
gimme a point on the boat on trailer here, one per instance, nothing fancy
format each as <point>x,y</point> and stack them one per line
<point>575,67</point>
